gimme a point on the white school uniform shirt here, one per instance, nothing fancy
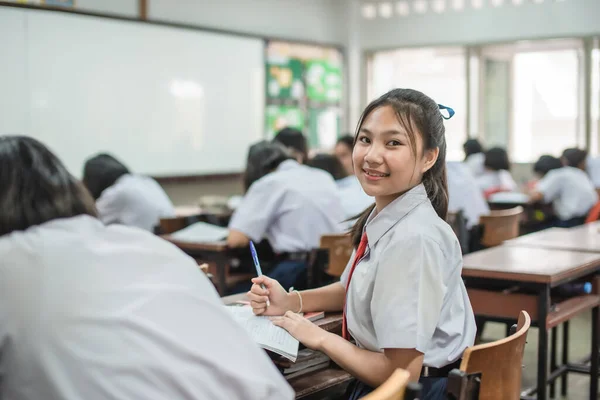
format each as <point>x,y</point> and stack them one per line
<point>89,311</point>
<point>593,170</point>
<point>464,195</point>
<point>475,164</point>
<point>134,200</point>
<point>570,191</point>
<point>501,179</point>
<point>291,207</point>
<point>407,291</point>
<point>353,197</point>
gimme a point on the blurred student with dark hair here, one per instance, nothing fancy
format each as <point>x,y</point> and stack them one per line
<point>474,157</point>
<point>90,311</point>
<point>343,152</point>
<point>289,204</point>
<point>496,177</point>
<point>295,142</point>
<point>568,188</point>
<point>574,157</point>
<point>125,198</point>
<point>353,197</point>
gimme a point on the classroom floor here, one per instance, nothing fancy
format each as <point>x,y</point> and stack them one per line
<point>580,334</point>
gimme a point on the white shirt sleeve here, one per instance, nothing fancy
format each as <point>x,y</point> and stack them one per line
<point>410,286</point>
<point>549,186</point>
<point>257,210</point>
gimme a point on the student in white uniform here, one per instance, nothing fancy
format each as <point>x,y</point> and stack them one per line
<point>295,142</point>
<point>343,152</point>
<point>474,157</point>
<point>353,197</point>
<point>125,198</point>
<point>404,300</point>
<point>464,195</point>
<point>496,177</point>
<point>569,189</point>
<point>89,311</point>
<point>289,204</point>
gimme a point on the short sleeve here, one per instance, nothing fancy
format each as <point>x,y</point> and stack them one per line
<point>257,210</point>
<point>549,186</point>
<point>410,286</point>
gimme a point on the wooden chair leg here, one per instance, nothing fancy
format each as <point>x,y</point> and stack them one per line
<point>553,363</point>
<point>565,357</point>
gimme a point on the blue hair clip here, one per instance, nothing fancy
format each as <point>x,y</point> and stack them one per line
<point>450,111</point>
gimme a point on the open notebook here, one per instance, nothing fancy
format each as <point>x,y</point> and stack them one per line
<point>201,232</point>
<point>267,335</point>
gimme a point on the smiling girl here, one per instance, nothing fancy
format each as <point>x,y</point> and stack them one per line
<point>405,304</point>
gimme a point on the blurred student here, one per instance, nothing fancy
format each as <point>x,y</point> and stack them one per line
<point>343,152</point>
<point>569,189</point>
<point>574,157</point>
<point>496,177</point>
<point>353,197</point>
<point>125,198</point>
<point>464,194</point>
<point>289,204</point>
<point>91,311</point>
<point>295,142</point>
<point>474,157</point>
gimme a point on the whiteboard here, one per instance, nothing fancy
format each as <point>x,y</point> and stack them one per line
<point>165,101</point>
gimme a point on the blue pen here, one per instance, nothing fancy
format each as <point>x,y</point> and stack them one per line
<point>257,265</point>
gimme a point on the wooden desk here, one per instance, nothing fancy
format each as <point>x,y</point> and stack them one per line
<point>583,239</point>
<point>535,270</point>
<point>317,384</point>
<point>215,252</point>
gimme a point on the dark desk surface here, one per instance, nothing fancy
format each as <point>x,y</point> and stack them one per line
<point>529,264</point>
<point>585,238</point>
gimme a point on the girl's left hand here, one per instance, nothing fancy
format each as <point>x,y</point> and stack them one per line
<point>302,329</point>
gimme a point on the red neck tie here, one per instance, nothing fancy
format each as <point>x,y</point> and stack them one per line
<point>360,252</point>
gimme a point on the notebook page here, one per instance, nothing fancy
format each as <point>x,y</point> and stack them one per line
<point>201,232</point>
<point>267,335</point>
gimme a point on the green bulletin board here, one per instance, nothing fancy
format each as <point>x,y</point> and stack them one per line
<point>304,90</point>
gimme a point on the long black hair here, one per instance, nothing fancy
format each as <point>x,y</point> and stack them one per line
<point>36,186</point>
<point>418,114</point>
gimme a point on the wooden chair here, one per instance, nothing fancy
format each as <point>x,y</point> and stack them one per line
<point>500,225</point>
<point>396,387</point>
<point>500,363</point>
<point>340,249</point>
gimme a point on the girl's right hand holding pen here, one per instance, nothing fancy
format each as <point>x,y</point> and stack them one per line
<point>280,300</point>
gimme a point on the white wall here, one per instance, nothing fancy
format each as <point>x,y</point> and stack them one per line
<point>307,20</point>
<point>490,24</point>
<point>127,8</point>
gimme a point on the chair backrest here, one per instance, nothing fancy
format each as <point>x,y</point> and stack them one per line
<point>500,363</point>
<point>457,222</point>
<point>393,388</point>
<point>500,225</point>
<point>594,214</point>
<point>340,249</point>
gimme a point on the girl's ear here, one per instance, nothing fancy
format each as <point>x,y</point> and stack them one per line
<point>430,157</point>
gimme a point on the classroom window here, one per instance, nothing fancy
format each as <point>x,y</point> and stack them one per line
<point>438,72</point>
<point>531,97</point>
